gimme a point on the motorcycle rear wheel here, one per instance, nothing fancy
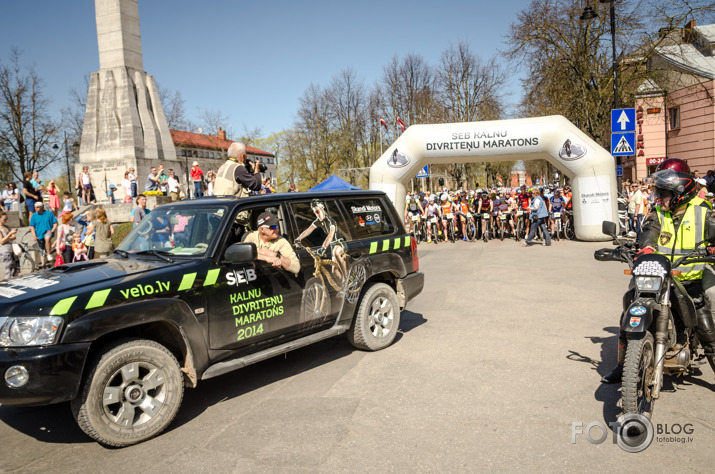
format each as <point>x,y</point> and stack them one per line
<point>638,376</point>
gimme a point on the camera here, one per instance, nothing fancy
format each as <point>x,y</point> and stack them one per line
<point>250,164</point>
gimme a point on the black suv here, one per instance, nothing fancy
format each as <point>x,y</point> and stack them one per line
<point>200,288</point>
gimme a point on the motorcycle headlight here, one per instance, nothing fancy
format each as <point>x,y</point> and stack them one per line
<point>648,283</point>
<point>23,331</point>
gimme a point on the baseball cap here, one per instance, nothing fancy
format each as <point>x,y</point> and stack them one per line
<point>196,163</point>
<point>39,204</point>
<point>701,181</point>
<point>267,218</point>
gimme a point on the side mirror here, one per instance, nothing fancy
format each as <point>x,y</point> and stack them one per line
<point>609,228</point>
<point>241,253</point>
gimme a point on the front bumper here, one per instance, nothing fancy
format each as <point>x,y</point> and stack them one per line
<point>55,373</point>
<point>412,285</point>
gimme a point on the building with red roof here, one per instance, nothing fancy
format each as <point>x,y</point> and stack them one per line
<point>209,151</point>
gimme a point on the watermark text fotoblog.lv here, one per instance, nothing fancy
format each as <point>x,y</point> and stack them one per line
<point>633,432</point>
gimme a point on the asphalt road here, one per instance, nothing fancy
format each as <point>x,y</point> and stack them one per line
<point>496,359</point>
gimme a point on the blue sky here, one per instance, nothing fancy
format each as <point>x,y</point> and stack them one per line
<point>253,60</point>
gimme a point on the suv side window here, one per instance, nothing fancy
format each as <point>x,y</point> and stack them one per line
<point>368,217</point>
<point>320,216</point>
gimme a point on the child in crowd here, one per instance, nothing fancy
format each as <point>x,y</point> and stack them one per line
<point>110,193</point>
<point>69,203</point>
<point>78,248</point>
<point>54,203</point>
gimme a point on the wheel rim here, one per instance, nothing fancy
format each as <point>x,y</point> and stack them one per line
<point>645,378</point>
<point>382,317</point>
<point>134,394</point>
<point>355,280</point>
<point>314,301</point>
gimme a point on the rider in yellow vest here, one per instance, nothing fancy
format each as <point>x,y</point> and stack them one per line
<point>678,223</point>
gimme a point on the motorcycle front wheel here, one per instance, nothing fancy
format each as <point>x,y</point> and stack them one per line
<point>638,376</point>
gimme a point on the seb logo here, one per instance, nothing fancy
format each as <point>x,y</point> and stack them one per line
<point>237,277</point>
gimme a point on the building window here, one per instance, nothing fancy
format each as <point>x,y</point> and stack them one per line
<point>674,118</point>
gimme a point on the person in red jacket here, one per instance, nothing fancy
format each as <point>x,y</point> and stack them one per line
<point>197,176</point>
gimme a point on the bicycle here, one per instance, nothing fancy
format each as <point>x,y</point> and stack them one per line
<point>485,226</point>
<point>569,231</point>
<point>27,263</point>
<point>558,227</point>
<point>435,229</point>
<point>449,218</point>
<point>469,226</point>
<point>416,227</point>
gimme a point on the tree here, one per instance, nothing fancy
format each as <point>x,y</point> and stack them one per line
<point>26,129</point>
<point>173,105</point>
<point>569,62</point>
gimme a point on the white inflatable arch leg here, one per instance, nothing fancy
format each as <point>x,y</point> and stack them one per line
<point>555,139</point>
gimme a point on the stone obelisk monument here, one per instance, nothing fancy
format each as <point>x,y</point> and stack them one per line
<point>124,125</point>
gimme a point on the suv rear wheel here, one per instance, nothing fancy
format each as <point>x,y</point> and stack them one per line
<point>131,394</point>
<point>377,318</point>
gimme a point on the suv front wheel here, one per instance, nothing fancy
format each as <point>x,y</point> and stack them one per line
<point>131,394</point>
<point>377,318</point>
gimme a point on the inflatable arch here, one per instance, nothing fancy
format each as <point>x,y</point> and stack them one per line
<point>590,168</point>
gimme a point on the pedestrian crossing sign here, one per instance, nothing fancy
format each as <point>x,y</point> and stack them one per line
<point>623,144</point>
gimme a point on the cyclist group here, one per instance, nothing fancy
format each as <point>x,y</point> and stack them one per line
<point>486,214</point>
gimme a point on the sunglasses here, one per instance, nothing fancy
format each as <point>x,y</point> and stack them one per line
<point>272,227</point>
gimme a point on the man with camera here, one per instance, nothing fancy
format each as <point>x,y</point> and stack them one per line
<point>237,176</point>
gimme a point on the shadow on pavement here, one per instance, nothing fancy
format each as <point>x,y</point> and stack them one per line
<point>55,424</point>
<point>49,424</point>
<point>608,394</point>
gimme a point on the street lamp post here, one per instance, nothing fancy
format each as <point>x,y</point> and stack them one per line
<point>588,15</point>
<point>67,161</point>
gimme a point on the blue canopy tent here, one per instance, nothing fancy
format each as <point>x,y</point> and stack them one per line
<point>333,183</point>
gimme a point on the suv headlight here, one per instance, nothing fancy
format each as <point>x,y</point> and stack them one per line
<point>648,283</point>
<point>22,331</point>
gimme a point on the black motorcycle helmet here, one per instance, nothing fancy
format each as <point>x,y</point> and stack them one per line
<point>669,181</point>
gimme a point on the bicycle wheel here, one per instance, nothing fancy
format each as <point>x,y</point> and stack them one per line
<point>485,232</point>
<point>568,230</point>
<point>501,230</point>
<point>27,263</point>
<point>416,232</point>
<point>471,230</point>
<point>452,235</point>
<point>557,229</point>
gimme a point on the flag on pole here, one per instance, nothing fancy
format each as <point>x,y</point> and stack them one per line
<point>383,123</point>
<point>400,123</point>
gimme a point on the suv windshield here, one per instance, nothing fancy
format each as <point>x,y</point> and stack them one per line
<point>174,231</point>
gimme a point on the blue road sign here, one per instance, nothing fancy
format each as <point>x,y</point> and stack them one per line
<point>619,170</point>
<point>623,144</point>
<point>623,120</point>
<point>424,172</point>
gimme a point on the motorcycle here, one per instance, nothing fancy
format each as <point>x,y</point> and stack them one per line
<point>659,319</point>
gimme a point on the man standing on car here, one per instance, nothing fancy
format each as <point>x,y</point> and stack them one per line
<point>271,247</point>
<point>233,177</point>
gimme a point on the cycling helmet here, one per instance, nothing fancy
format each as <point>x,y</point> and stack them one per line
<point>675,164</point>
<point>431,198</point>
<point>444,197</point>
<point>680,185</point>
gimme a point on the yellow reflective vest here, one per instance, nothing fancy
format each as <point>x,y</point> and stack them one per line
<point>691,231</point>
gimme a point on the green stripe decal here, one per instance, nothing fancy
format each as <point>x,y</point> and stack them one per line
<point>62,306</point>
<point>187,281</point>
<point>373,247</point>
<point>407,241</point>
<point>398,242</point>
<point>386,245</point>
<point>211,277</point>
<point>98,298</point>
